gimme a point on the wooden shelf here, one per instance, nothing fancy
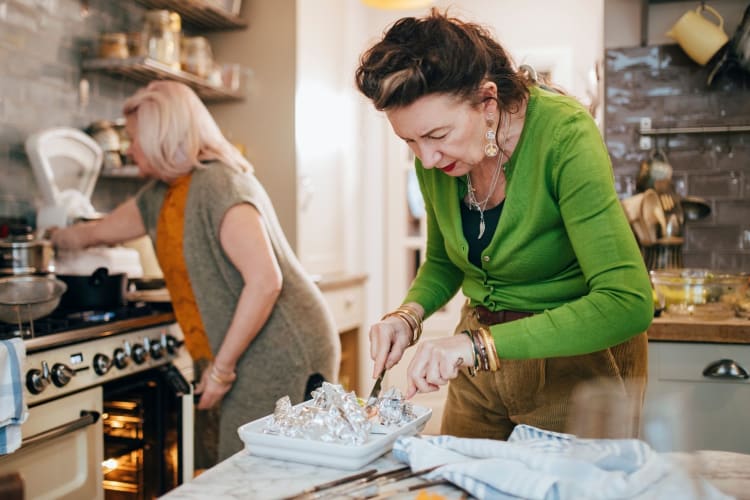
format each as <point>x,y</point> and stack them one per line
<point>206,14</point>
<point>144,69</point>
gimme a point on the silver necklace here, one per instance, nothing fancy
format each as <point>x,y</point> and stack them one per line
<point>481,206</point>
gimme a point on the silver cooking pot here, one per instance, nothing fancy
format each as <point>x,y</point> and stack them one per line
<point>20,255</point>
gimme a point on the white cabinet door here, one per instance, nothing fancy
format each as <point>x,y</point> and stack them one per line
<point>698,411</point>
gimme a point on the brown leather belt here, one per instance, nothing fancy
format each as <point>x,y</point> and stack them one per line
<point>489,318</point>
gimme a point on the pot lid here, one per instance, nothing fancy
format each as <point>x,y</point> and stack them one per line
<point>63,159</point>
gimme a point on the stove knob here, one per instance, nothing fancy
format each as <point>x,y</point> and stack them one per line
<point>102,364</point>
<point>38,380</point>
<point>61,374</point>
<point>156,349</point>
<point>120,358</point>
<point>173,344</point>
<point>138,354</point>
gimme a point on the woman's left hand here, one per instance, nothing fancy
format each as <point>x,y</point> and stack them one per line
<point>436,362</point>
<point>210,390</point>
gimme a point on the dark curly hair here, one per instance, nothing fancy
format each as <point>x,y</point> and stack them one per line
<point>437,54</point>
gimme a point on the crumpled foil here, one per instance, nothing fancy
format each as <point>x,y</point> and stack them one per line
<point>333,416</point>
<point>336,416</point>
<point>393,410</point>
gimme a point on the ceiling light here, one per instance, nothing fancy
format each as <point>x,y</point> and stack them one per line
<point>397,4</point>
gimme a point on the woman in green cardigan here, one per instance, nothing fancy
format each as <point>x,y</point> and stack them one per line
<point>523,218</point>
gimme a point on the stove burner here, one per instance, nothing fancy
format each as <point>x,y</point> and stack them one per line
<point>63,320</point>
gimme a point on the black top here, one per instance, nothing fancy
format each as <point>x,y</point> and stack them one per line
<point>470,222</point>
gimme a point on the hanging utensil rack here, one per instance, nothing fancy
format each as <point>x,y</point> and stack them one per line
<point>646,131</point>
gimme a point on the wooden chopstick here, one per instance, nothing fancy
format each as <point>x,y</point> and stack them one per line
<point>332,484</point>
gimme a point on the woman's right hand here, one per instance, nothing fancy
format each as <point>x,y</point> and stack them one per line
<point>389,338</point>
<point>68,238</point>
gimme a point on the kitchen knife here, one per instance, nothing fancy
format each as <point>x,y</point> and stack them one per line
<point>375,392</point>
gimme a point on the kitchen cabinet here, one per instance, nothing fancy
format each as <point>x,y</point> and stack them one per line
<point>706,412</point>
<point>345,298</point>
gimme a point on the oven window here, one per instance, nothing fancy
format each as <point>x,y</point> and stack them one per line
<point>142,435</point>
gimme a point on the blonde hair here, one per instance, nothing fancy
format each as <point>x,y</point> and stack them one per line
<point>176,132</point>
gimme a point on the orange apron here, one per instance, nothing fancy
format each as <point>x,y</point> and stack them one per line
<point>169,250</point>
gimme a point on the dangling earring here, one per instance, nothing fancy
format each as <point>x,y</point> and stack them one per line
<point>491,149</point>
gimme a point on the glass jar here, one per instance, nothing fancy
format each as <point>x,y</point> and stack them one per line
<point>106,136</point>
<point>124,138</point>
<point>196,56</point>
<point>161,37</point>
<point>113,45</point>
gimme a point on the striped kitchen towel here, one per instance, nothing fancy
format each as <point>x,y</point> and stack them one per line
<point>538,464</point>
<point>13,409</point>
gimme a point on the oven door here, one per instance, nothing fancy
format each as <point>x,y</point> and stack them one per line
<point>61,453</point>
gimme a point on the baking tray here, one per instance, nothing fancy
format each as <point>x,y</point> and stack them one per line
<point>339,456</point>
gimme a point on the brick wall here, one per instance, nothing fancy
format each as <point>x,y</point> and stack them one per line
<point>662,83</point>
<point>41,46</point>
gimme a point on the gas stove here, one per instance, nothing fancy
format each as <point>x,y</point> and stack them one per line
<point>71,350</point>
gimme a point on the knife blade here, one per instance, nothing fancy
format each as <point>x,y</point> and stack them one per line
<point>375,392</point>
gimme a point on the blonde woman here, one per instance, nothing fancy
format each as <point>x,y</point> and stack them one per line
<point>252,318</point>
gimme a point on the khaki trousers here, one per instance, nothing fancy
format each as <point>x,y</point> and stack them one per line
<point>543,392</point>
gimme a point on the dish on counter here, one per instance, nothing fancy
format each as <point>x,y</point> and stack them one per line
<point>701,293</point>
<point>340,456</point>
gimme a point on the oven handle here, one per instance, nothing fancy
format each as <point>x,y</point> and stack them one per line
<point>87,418</point>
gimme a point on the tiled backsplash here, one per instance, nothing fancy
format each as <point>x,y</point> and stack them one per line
<point>663,84</point>
<point>41,46</point>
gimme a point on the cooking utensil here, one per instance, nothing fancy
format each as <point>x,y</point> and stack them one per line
<point>737,52</point>
<point>652,217</point>
<point>331,484</point>
<point>27,298</point>
<point>99,290</point>
<point>699,37</point>
<point>26,255</point>
<point>372,399</point>
<point>695,208</point>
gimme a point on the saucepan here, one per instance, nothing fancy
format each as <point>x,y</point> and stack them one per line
<point>21,253</point>
<point>98,290</point>
<point>695,208</point>
<point>27,298</point>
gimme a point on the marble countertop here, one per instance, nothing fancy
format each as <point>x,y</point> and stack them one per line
<point>244,476</point>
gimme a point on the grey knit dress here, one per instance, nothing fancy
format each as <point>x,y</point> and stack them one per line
<point>298,340</point>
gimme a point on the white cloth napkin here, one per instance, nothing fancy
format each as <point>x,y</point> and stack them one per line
<point>13,409</point>
<point>539,464</point>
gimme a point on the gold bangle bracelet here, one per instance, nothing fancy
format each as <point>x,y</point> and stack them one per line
<point>403,317</point>
<point>489,344</point>
<point>414,315</point>
<point>475,361</point>
<point>217,377</point>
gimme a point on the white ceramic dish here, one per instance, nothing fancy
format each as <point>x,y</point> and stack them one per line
<point>335,455</point>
